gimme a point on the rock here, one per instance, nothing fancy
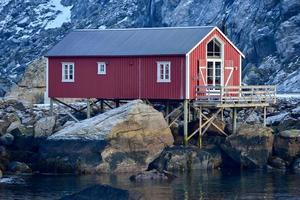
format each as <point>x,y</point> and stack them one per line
<point>277,163</point>
<point>18,167</point>
<point>3,126</point>
<point>14,125</point>
<point>7,139</point>
<point>125,139</point>
<point>32,86</point>
<point>102,192</point>
<point>296,165</point>
<point>152,175</point>
<point>44,127</point>
<point>179,158</point>
<point>287,144</point>
<point>1,174</point>
<point>251,146</point>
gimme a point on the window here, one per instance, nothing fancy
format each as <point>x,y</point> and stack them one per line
<point>163,71</point>
<point>214,48</point>
<point>101,68</point>
<point>68,72</point>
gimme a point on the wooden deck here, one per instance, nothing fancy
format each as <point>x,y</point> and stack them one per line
<point>235,96</point>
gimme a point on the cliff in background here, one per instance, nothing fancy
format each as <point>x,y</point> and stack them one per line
<point>267,31</point>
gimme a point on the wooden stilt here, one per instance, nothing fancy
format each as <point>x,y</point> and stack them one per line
<point>51,107</point>
<point>88,108</point>
<point>185,119</point>
<point>200,127</point>
<point>117,103</point>
<point>168,111</point>
<point>101,106</point>
<point>222,114</point>
<point>234,116</point>
<point>265,116</point>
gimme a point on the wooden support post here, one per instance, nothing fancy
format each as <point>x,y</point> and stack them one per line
<point>222,114</point>
<point>101,106</point>
<point>265,116</point>
<point>51,107</point>
<point>234,116</point>
<point>189,113</point>
<point>200,127</point>
<point>168,111</point>
<point>185,121</point>
<point>117,103</point>
<point>88,109</point>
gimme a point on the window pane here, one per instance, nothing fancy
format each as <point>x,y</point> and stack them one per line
<point>209,72</point>
<point>210,46</point>
<point>210,65</point>
<point>218,72</point>
<point>218,80</point>
<point>71,76</point>
<point>209,80</point>
<point>167,77</point>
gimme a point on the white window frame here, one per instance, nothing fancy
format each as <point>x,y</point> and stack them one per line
<point>64,79</point>
<point>164,79</point>
<point>99,71</point>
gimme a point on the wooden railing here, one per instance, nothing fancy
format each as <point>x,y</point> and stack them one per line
<point>237,94</point>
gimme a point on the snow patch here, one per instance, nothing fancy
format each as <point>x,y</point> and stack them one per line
<point>64,14</point>
<point>276,118</point>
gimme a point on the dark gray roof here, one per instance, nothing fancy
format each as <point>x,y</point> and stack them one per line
<point>130,42</point>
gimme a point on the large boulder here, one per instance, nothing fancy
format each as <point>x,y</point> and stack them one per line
<point>179,158</point>
<point>102,192</point>
<point>32,86</point>
<point>7,139</point>
<point>19,167</point>
<point>251,146</point>
<point>44,127</point>
<point>153,175</point>
<point>287,144</point>
<point>124,139</point>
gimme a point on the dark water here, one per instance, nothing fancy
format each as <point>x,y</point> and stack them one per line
<point>198,185</point>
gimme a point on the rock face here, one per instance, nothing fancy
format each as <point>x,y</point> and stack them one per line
<point>100,192</point>
<point>251,146</point>
<point>44,127</point>
<point>124,139</point>
<point>180,158</point>
<point>287,144</point>
<point>32,86</point>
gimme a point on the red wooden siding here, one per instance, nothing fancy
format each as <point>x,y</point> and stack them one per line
<point>126,78</point>
<point>198,57</point>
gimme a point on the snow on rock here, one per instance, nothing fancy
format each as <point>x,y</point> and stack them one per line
<point>64,14</point>
<point>276,118</point>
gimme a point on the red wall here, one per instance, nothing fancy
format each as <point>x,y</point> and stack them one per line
<point>199,54</point>
<point>126,78</point>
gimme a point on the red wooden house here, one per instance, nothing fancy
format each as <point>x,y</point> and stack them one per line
<point>142,63</point>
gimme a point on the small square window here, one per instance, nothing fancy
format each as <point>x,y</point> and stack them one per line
<point>68,72</point>
<point>101,68</point>
<point>164,72</point>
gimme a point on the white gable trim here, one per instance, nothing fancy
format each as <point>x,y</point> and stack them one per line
<point>208,34</point>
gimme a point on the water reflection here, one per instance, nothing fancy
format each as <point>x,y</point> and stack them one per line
<point>233,184</point>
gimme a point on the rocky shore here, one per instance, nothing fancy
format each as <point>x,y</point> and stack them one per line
<point>135,138</point>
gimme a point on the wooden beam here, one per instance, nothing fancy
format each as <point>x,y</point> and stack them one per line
<point>51,107</point>
<point>176,118</point>
<point>88,110</point>
<point>265,116</point>
<point>185,121</point>
<point>65,104</point>
<point>234,116</point>
<point>175,110</point>
<point>200,129</point>
<point>108,105</point>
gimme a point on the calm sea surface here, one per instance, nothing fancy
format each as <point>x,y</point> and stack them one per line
<point>197,185</point>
